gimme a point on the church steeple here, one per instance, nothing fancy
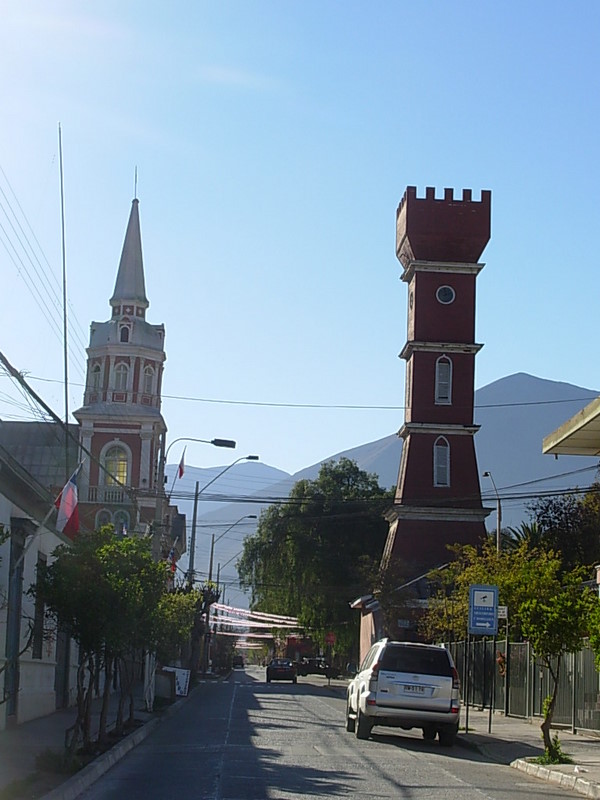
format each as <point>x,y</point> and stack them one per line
<point>129,298</point>
<point>121,421</point>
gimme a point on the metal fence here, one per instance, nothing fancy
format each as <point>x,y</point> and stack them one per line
<point>509,678</point>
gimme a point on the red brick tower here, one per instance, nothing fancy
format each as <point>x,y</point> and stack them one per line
<point>438,500</point>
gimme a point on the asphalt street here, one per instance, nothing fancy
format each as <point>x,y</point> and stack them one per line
<point>243,739</point>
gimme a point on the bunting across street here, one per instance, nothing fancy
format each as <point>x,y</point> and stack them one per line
<point>274,620</point>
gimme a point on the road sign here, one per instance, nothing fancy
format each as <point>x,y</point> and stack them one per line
<point>502,612</point>
<point>483,610</point>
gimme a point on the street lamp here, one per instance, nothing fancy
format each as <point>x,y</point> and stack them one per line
<point>220,536</point>
<point>161,496</point>
<point>210,568</point>
<point>489,475</point>
<point>214,442</point>
<point>196,494</point>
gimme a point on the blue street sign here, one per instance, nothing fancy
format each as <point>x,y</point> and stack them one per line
<point>483,610</point>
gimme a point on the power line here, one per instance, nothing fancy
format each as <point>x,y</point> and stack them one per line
<point>334,406</point>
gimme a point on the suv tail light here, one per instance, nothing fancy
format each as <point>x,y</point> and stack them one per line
<point>374,675</point>
<point>455,679</point>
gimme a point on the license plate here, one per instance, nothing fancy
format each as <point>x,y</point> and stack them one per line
<point>414,689</point>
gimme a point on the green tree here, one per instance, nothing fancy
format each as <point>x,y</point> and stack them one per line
<point>175,620</point>
<point>136,584</point>
<point>308,556</point>
<point>570,526</point>
<point>105,591</point>
<point>555,623</point>
<point>527,532</point>
<point>546,605</point>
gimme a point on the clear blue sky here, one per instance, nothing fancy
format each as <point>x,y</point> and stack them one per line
<point>273,142</point>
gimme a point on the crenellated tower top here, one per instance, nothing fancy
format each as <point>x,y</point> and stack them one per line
<point>446,229</point>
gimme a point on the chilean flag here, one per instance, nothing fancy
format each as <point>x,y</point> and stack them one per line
<point>67,521</point>
<point>180,468</point>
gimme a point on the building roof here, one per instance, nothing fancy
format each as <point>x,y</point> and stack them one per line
<point>130,286</point>
<point>578,436</point>
<point>39,449</point>
<point>121,412</point>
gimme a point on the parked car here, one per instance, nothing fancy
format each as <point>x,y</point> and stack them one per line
<point>281,669</point>
<point>405,685</point>
<point>317,666</point>
<point>237,662</point>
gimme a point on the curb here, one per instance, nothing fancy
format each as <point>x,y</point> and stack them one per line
<point>573,782</point>
<point>82,780</point>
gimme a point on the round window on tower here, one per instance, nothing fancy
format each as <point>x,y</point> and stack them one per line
<point>445,295</point>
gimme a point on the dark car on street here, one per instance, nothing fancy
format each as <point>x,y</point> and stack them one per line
<point>317,666</point>
<point>281,669</point>
<point>238,662</point>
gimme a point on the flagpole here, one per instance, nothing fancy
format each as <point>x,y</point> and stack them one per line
<point>177,471</point>
<point>37,531</point>
<point>64,288</point>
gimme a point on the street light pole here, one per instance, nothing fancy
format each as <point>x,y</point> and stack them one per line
<point>190,576</point>
<point>220,536</point>
<point>198,492</point>
<point>210,568</point>
<point>161,495</point>
<point>488,474</point>
<point>214,442</point>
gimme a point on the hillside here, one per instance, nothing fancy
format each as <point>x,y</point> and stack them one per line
<point>515,413</point>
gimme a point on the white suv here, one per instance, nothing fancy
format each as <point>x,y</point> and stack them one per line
<point>405,685</point>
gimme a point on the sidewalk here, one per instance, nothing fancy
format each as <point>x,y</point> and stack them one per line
<point>513,741</point>
<point>20,746</point>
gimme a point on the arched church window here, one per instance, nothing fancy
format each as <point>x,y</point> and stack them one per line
<point>124,333</point>
<point>121,522</point>
<point>103,517</point>
<point>115,461</point>
<point>95,377</point>
<point>148,380</point>
<point>121,375</point>
<point>441,462</point>
<point>443,381</point>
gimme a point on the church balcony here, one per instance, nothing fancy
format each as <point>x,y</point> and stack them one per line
<point>113,495</point>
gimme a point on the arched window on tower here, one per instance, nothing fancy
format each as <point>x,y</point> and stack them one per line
<point>148,380</point>
<point>124,333</point>
<point>95,377</point>
<point>443,381</point>
<point>121,375</point>
<point>115,462</point>
<point>103,517</point>
<point>121,523</point>
<point>441,462</point>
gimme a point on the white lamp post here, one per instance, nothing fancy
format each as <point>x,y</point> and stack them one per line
<point>210,568</point>
<point>488,474</point>
<point>196,494</point>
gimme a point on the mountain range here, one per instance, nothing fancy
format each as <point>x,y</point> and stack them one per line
<point>515,413</point>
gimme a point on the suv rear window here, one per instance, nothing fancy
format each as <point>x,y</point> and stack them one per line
<point>430,661</point>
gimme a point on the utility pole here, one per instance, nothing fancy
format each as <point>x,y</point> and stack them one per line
<point>190,577</point>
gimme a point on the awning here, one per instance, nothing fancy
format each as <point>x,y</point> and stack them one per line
<point>578,436</point>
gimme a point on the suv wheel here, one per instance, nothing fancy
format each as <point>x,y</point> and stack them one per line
<point>350,721</point>
<point>429,734</point>
<point>362,726</point>
<point>447,736</point>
